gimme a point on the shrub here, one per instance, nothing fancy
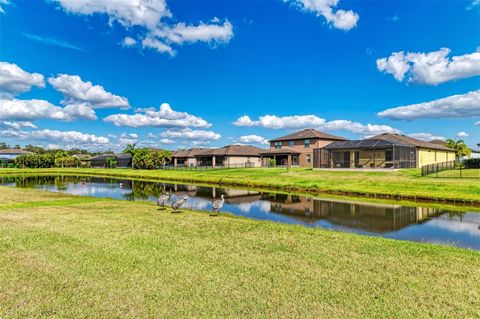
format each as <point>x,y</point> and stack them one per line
<point>35,161</point>
<point>145,158</point>
<point>471,163</point>
<point>272,163</point>
<point>67,161</point>
<point>111,162</point>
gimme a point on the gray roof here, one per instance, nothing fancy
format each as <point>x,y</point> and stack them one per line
<point>308,133</point>
<point>364,144</point>
<point>14,151</point>
<point>116,156</point>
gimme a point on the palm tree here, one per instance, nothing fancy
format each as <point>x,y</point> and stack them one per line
<point>131,150</point>
<point>459,146</point>
<point>166,156</point>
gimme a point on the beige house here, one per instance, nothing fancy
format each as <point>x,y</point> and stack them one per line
<point>230,156</point>
<point>382,151</point>
<point>186,157</point>
<point>297,149</point>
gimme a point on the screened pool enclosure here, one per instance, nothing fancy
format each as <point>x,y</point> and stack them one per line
<point>369,153</point>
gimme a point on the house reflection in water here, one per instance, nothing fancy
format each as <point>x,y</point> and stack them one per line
<point>369,217</point>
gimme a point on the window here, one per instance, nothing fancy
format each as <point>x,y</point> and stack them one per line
<point>290,143</point>
<point>307,143</point>
<point>278,145</point>
<point>309,158</point>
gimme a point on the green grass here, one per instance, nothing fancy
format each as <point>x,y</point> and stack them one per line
<point>403,184</point>
<point>82,257</point>
<point>464,173</point>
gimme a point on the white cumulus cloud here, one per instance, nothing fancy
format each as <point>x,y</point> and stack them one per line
<point>339,19</point>
<point>78,91</point>
<point>154,19</point>
<point>129,41</point>
<point>430,68</point>
<point>313,121</point>
<point>17,125</point>
<point>455,106</point>
<point>68,139</point>
<point>253,139</point>
<point>128,138</point>
<point>462,134</point>
<point>165,117</point>
<point>30,110</point>
<point>281,122</point>
<point>14,80</point>
<point>146,13</point>
<point>427,137</point>
<point>189,134</point>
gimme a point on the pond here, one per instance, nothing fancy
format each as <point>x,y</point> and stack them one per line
<point>414,223</point>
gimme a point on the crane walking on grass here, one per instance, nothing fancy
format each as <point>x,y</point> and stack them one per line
<point>217,205</point>
<point>179,203</point>
<point>163,199</point>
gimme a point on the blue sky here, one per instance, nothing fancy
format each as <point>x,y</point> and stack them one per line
<point>94,74</point>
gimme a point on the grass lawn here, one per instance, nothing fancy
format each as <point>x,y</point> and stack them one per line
<point>465,173</point>
<point>65,256</point>
<point>403,184</point>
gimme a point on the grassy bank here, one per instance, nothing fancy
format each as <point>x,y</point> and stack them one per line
<point>404,184</point>
<point>65,256</point>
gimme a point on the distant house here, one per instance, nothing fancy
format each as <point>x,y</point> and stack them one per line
<point>123,160</point>
<point>297,149</point>
<point>85,159</point>
<point>186,157</point>
<point>382,151</point>
<point>9,154</point>
<point>231,156</point>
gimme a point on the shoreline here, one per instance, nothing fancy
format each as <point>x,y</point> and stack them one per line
<point>271,185</point>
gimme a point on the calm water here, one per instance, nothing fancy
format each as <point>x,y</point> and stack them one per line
<point>413,223</point>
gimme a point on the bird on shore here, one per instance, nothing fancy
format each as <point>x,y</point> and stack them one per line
<point>163,199</point>
<point>217,205</point>
<point>179,203</point>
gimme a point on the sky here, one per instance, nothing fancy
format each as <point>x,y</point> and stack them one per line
<point>100,74</point>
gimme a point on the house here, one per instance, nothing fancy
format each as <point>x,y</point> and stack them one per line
<point>230,156</point>
<point>297,149</point>
<point>9,154</point>
<point>85,159</point>
<point>382,151</point>
<point>186,157</point>
<point>123,160</point>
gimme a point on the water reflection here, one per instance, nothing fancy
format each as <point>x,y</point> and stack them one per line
<point>386,220</point>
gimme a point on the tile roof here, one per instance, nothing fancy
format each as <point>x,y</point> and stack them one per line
<point>14,151</point>
<point>189,153</point>
<point>232,150</point>
<point>308,134</point>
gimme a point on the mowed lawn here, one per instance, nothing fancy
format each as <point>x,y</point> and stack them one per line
<point>64,256</point>
<point>402,184</point>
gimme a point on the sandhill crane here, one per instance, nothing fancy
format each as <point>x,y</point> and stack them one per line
<point>217,205</point>
<point>163,199</point>
<point>179,203</point>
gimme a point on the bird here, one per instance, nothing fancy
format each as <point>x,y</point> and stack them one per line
<point>179,203</point>
<point>217,205</point>
<point>162,200</point>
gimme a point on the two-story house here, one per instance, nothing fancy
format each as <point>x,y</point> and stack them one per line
<point>296,149</point>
